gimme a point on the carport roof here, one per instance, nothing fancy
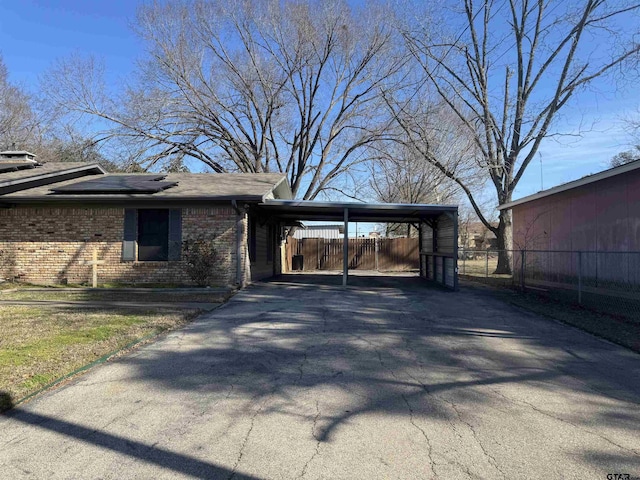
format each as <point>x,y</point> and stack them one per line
<point>357,212</point>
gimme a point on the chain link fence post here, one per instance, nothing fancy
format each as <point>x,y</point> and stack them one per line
<point>579,278</point>
<point>486,264</point>
<point>523,257</point>
<point>464,261</point>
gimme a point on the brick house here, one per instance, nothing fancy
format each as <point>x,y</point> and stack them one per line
<point>54,216</point>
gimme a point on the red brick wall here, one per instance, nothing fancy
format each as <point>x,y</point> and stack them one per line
<point>49,245</point>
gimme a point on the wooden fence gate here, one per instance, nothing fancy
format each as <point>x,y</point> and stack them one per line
<point>386,254</point>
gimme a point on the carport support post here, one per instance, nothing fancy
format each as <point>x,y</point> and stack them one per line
<point>345,249</point>
<point>455,251</point>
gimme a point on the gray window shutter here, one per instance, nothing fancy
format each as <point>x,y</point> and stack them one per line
<point>130,234</point>
<point>175,233</point>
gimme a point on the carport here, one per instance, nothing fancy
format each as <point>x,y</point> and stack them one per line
<point>437,227</point>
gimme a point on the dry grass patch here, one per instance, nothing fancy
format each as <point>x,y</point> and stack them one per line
<point>479,267</point>
<point>41,344</point>
<point>114,296</point>
<point>623,330</point>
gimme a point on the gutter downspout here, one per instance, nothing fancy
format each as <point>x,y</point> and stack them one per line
<point>239,236</point>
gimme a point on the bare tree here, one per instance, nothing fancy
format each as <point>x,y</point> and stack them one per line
<point>252,86</point>
<point>403,177</point>
<point>625,157</point>
<point>506,74</point>
<point>402,172</point>
<point>632,126</point>
<point>18,123</point>
<point>400,175</point>
<point>26,123</point>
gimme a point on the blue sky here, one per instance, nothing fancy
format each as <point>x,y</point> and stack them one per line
<point>34,33</point>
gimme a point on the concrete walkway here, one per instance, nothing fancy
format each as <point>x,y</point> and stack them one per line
<point>384,379</point>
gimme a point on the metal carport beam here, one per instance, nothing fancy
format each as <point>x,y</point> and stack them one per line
<point>345,249</point>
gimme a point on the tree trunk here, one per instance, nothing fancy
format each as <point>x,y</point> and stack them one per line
<point>505,237</point>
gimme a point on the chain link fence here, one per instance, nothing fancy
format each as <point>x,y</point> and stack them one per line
<point>604,281</point>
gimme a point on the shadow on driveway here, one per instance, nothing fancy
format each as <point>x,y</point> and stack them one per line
<point>301,371</point>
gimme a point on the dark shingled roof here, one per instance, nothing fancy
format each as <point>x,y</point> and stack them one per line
<point>255,187</point>
<point>14,166</point>
<point>110,184</point>
<point>21,180</point>
<point>44,169</point>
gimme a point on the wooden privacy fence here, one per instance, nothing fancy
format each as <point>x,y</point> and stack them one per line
<point>387,254</point>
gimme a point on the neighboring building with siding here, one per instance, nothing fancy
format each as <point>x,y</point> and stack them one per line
<point>54,216</point>
<point>597,213</point>
<point>319,231</point>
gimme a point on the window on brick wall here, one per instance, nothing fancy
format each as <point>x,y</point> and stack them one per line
<point>152,234</point>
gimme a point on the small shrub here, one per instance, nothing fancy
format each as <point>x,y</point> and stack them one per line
<point>7,265</point>
<point>6,401</point>
<point>201,258</point>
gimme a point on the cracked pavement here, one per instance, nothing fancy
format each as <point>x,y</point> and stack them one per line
<point>301,378</point>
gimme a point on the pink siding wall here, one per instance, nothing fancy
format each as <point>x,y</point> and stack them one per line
<point>602,216</point>
<point>633,202</point>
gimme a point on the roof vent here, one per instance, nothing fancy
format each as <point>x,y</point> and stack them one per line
<point>17,156</point>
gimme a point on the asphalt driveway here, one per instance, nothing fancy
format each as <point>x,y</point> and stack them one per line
<point>387,378</point>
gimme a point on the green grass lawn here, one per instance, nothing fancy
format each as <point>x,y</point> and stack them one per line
<point>41,344</point>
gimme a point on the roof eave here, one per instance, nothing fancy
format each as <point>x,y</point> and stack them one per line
<point>362,205</point>
<point>283,189</point>
<point>57,173</point>
<point>26,183</point>
<point>124,199</point>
